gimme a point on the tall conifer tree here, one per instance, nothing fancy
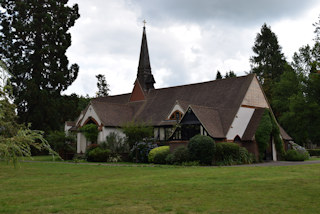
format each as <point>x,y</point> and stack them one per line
<point>34,38</point>
<point>269,62</point>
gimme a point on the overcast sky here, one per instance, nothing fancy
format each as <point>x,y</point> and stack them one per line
<point>188,40</point>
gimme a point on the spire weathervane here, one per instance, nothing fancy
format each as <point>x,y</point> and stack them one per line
<point>144,23</point>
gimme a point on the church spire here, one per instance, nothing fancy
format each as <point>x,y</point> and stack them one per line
<point>144,75</point>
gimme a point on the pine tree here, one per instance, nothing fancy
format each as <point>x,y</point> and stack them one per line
<point>34,38</point>
<point>230,74</point>
<point>102,85</point>
<point>218,76</point>
<point>269,62</point>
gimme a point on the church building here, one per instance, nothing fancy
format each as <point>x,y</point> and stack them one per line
<point>228,110</point>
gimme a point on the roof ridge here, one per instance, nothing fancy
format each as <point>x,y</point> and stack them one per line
<point>200,83</point>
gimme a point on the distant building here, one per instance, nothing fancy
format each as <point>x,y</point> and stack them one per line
<point>226,110</point>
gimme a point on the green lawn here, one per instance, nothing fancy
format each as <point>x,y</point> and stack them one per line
<point>76,188</point>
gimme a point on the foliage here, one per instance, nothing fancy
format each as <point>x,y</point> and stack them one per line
<point>158,154</point>
<point>314,152</point>
<point>102,85</point>
<point>98,155</point>
<point>90,148</point>
<point>116,144</point>
<point>245,156</point>
<point>90,131</point>
<point>170,158</point>
<point>269,62</point>
<point>64,144</point>
<point>140,151</point>
<point>136,132</point>
<point>201,148</point>
<point>70,106</point>
<point>294,155</point>
<point>181,154</point>
<point>263,133</point>
<point>299,149</point>
<point>19,145</point>
<point>34,37</point>
<point>227,153</point>
<point>218,76</point>
<point>230,74</point>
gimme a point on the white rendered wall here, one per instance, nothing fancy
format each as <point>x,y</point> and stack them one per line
<point>106,131</point>
<point>90,113</point>
<point>81,143</point>
<point>240,122</point>
<point>162,134</point>
<point>274,151</point>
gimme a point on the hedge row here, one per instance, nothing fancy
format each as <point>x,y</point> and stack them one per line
<point>314,152</point>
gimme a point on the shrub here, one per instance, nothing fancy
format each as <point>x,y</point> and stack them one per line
<point>116,143</point>
<point>136,132</point>
<point>139,152</point>
<point>300,149</point>
<point>153,152</point>
<point>181,154</point>
<point>314,152</point>
<point>227,152</point>
<point>294,155</point>
<point>170,158</point>
<point>160,155</point>
<point>98,155</point>
<point>201,148</point>
<point>232,153</point>
<point>91,147</point>
<point>63,144</point>
<point>245,156</point>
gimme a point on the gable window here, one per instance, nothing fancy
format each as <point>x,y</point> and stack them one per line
<point>177,115</point>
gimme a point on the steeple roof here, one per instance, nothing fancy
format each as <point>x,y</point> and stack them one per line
<point>144,75</point>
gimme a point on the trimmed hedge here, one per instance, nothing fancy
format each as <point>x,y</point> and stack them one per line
<point>201,148</point>
<point>181,155</point>
<point>159,154</point>
<point>98,155</point>
<point>232,153</point>
<point>314,152</point>
<point>294,155</point>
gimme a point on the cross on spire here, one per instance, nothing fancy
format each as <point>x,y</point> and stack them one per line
<point>144,23</point>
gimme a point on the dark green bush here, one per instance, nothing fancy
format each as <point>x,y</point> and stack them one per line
<point>140,151</point>
<point>314,152</point>
<point>98,155</point>
<point>232,153</point>
<point>201,148</point>
<point>170,159</point>
<point>227,152</point>
<point>294,155</point>
<point>181,154</point>
<point>160,157</point>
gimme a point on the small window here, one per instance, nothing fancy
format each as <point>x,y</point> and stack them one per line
<point>177,115</point>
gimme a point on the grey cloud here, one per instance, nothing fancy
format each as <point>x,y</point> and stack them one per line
<point>244,12</point>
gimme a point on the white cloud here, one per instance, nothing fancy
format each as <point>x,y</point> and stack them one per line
<point>188,42</point>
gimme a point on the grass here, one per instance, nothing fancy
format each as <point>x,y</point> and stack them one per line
<point>76,188</point>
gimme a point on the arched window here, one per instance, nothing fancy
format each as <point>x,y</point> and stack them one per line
<point>177,115</point>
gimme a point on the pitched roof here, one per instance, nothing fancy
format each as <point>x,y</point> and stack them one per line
<point>223,96</point>
<point>210,119</point>
<point>284,134</point>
